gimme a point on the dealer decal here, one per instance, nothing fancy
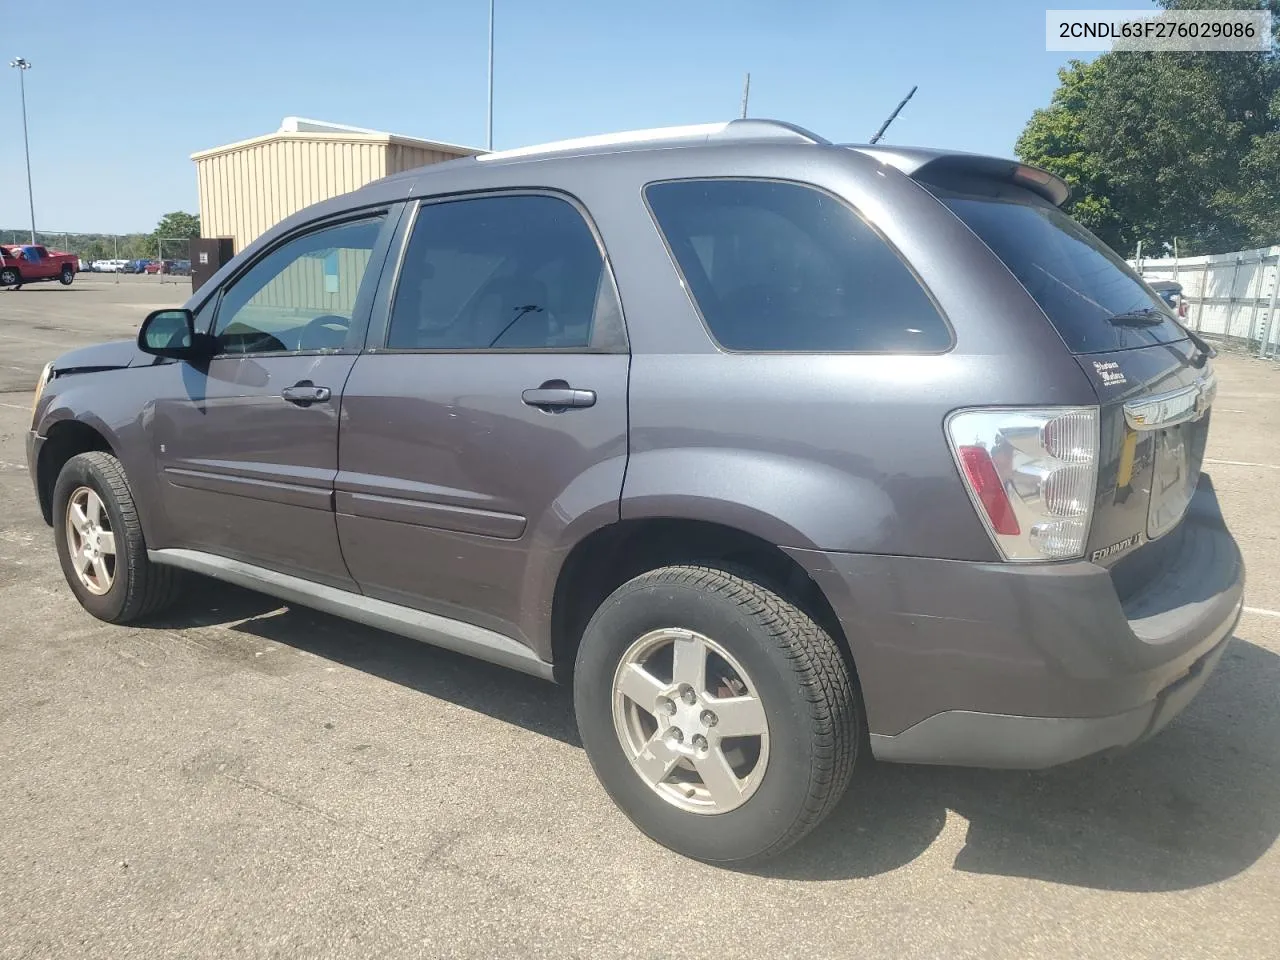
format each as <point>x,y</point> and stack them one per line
<point>1110,372</point>
<point>1115,548</point>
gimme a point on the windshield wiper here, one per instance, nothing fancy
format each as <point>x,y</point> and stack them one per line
<point>1151,316</point>
<point>1143,317</point>
<point>1206,351</point>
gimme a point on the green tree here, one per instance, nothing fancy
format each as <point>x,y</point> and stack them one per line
<point>1164,145</point>
<point>177,225</point>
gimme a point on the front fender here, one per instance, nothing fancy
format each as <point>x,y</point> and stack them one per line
<point>119,425</point>
<point>784,500</point>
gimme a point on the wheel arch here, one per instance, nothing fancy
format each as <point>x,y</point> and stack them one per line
<point>63,440</point>
<point>611,555</point>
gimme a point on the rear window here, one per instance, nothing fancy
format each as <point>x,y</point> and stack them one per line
<point>784,267</point>
<point>1090,295</point>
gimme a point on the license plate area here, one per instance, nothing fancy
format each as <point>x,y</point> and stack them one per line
<point>1174,476</point>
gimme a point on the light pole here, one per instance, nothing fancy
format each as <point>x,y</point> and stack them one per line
<point>489,141</point>
<point>23,66</point>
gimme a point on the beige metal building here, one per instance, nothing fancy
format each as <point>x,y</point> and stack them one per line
<point>248,187</point>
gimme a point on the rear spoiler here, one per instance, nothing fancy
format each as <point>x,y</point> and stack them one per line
<point>923,164</point>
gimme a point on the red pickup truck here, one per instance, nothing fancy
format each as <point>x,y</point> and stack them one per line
<point>32,263</point>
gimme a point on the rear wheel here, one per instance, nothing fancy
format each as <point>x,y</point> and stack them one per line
<point>66,276</point>
<point>9,277</point>
<point>720,717</point>
<point>100,543</point>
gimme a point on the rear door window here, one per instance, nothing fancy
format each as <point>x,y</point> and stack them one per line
<point>775,266</point>
<point>1091,296</point>
<point>498,273</point>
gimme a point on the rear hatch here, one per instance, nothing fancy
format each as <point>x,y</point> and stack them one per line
<point>1153,380</point>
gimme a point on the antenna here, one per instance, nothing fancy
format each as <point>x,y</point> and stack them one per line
<point>893,116</point>
<point>746,95</point>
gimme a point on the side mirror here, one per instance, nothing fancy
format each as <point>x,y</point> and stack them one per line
<point>172,333</point>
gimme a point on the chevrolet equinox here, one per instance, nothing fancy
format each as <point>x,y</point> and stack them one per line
<point>779,450</point>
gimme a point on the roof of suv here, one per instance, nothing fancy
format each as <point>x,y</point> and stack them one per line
<point>915,162</point>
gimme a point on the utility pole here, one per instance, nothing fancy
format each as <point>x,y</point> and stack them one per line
<point>489,138</point>
<point>23,66</point>
<point>893,116</point>
<point>746,94</point>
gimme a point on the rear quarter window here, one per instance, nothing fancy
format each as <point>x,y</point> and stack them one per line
<point>776,266</point>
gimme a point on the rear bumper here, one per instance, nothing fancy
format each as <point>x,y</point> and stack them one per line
<point>1008,665</point>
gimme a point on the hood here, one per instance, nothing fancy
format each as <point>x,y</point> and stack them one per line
<point>100,356</point>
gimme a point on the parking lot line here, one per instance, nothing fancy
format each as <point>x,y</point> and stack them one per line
<point>51,343</point>
<point>1261,611</point>
<point>1243,463</point>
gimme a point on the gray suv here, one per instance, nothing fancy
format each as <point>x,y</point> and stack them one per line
<point>783,452</point>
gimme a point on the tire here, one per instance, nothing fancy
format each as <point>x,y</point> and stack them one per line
<point>66,276</point>
<point>9,277</point>
<point>133,587</point>
<point>811,709</point>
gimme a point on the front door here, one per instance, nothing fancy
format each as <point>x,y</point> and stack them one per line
<point>489,417</point>
<point>247,448</point>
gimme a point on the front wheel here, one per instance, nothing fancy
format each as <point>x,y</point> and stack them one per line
<point>720,717</point>
<point>66,276</point>
<point>100,543</point>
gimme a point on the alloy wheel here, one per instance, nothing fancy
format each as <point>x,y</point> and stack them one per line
<point>91,542</point>
<point>690,721</point>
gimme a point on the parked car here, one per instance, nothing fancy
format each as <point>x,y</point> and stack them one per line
<point>110,266</point>
<point>181,268</point>
<point>33,263</point>
<point>1170,292</point>
<point>839,449</point>
<point>159,266</point>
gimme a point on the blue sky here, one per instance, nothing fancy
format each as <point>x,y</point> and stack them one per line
<point>120,95</point>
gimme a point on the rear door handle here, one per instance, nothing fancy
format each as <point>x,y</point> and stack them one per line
<point>550,398</point>
<point>304,393</point>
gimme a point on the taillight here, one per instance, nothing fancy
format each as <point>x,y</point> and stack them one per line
<point>1182,309</point>
<point>1032,475</point>
<point>984,483</point>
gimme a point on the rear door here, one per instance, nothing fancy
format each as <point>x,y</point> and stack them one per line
<point>1154,384</point>
<point>489,415</point>
<point>43,266</point>
<point>247,445</point>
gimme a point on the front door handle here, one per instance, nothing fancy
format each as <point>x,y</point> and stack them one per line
<point>304,393</point>
<point>558,398</point>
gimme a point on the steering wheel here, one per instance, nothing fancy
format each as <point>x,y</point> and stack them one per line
<point>329,330</point>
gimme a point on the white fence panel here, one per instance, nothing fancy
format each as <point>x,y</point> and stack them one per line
<point>1228,295</point>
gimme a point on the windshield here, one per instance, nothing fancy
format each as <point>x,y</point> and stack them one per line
<point>1090,295</point>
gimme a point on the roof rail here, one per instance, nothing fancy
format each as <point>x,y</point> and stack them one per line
<point>674,136</point>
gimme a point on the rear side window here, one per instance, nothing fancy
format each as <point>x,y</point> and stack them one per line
<point>783,267</point>
<point>502,273</point>
<point>1090,295</point>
